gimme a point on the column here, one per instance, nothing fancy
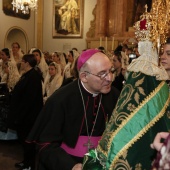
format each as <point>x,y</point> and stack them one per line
<point>101,17</point>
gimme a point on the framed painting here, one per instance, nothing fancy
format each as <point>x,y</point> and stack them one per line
<point>8,10</point>
<point>68,18</point>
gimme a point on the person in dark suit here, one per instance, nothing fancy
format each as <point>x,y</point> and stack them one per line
<point>26,103</point>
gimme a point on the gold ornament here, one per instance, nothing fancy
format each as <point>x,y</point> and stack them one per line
<point>154,25</point>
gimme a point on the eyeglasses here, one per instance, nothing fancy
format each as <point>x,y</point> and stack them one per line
<point>102,75</point>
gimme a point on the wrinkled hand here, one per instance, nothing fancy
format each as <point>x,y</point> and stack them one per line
<point>157,141</point>
<point>77,167</point>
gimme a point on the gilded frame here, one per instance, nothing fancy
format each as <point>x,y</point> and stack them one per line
<point>68,18</point>
<point>8,10</point>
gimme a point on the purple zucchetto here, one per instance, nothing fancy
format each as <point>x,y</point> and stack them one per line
<point>85,55</point>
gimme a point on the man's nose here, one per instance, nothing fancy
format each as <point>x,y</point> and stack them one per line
<point>109,76</point>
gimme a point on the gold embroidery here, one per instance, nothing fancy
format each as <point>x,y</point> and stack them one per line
<point>85,159</point>
<point>121,118</point>
<point>122,163</point>
<point>131,107</point>
<point>143,131</point>
<point>138,166</point>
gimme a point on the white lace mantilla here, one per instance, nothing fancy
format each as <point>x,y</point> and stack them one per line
<point>147,63</point>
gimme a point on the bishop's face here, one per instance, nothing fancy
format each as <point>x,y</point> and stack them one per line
<point>98,76</point>
<point>165,58</point>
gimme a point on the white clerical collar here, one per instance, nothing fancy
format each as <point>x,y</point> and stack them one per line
<point>93,94</point>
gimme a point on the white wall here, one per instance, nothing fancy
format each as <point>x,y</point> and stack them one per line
<point>7,22</point>
<point>50,44</point>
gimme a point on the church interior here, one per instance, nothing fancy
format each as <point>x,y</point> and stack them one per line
<point>102,23</point>
<point>99,23</point>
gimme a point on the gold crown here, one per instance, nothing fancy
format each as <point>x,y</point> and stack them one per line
<point>143,27</point>
<point>153,26</point>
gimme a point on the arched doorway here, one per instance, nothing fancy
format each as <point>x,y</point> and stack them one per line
<point>16,34</point>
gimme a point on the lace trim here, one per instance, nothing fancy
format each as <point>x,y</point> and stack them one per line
<point>147,63</point>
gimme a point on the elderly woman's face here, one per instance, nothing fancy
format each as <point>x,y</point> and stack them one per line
<point>165,57</point>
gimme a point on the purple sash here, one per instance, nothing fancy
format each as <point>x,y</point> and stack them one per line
<point>80,149</point>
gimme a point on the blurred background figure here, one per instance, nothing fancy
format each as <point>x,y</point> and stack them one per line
<point>72,56</point>
<point>53,80</point>
<point>41,63</point>
<point>16,55</point>
<point>9,76</point>
<point>119,70</point>
<point>5,56</point>
<point>102,49</point>
<point>12,73</point>
<point>7,85</point>
<point>59,58</point>
<point>162,140</point>
<point>48,57</point>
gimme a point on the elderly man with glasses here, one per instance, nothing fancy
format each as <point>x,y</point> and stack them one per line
<point>75,116</point>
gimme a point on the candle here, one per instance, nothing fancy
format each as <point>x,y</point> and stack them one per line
<point>100,41</point>
<point>106,43</point>
<point>113,41</point>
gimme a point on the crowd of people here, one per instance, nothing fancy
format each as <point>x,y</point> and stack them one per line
<point>58,104</point>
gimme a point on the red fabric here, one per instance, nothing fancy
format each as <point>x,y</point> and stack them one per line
<point>143,24</point>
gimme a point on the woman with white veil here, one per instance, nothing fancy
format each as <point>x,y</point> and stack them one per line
<point>16,55</point>
<point>72,56</point>
<point>5,57</point>
<point>59,58</point>
<point>13,75</point>
<point>52,81</point>
<point>41,63</point>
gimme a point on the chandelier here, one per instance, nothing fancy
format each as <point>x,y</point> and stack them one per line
<point>24,5</point>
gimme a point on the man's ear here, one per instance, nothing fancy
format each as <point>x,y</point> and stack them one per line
<point>83,77</point>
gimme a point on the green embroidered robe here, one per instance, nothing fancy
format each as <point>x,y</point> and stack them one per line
<point>140,113</point>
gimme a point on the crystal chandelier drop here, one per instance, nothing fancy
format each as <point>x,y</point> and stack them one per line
<point>24,5</point>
